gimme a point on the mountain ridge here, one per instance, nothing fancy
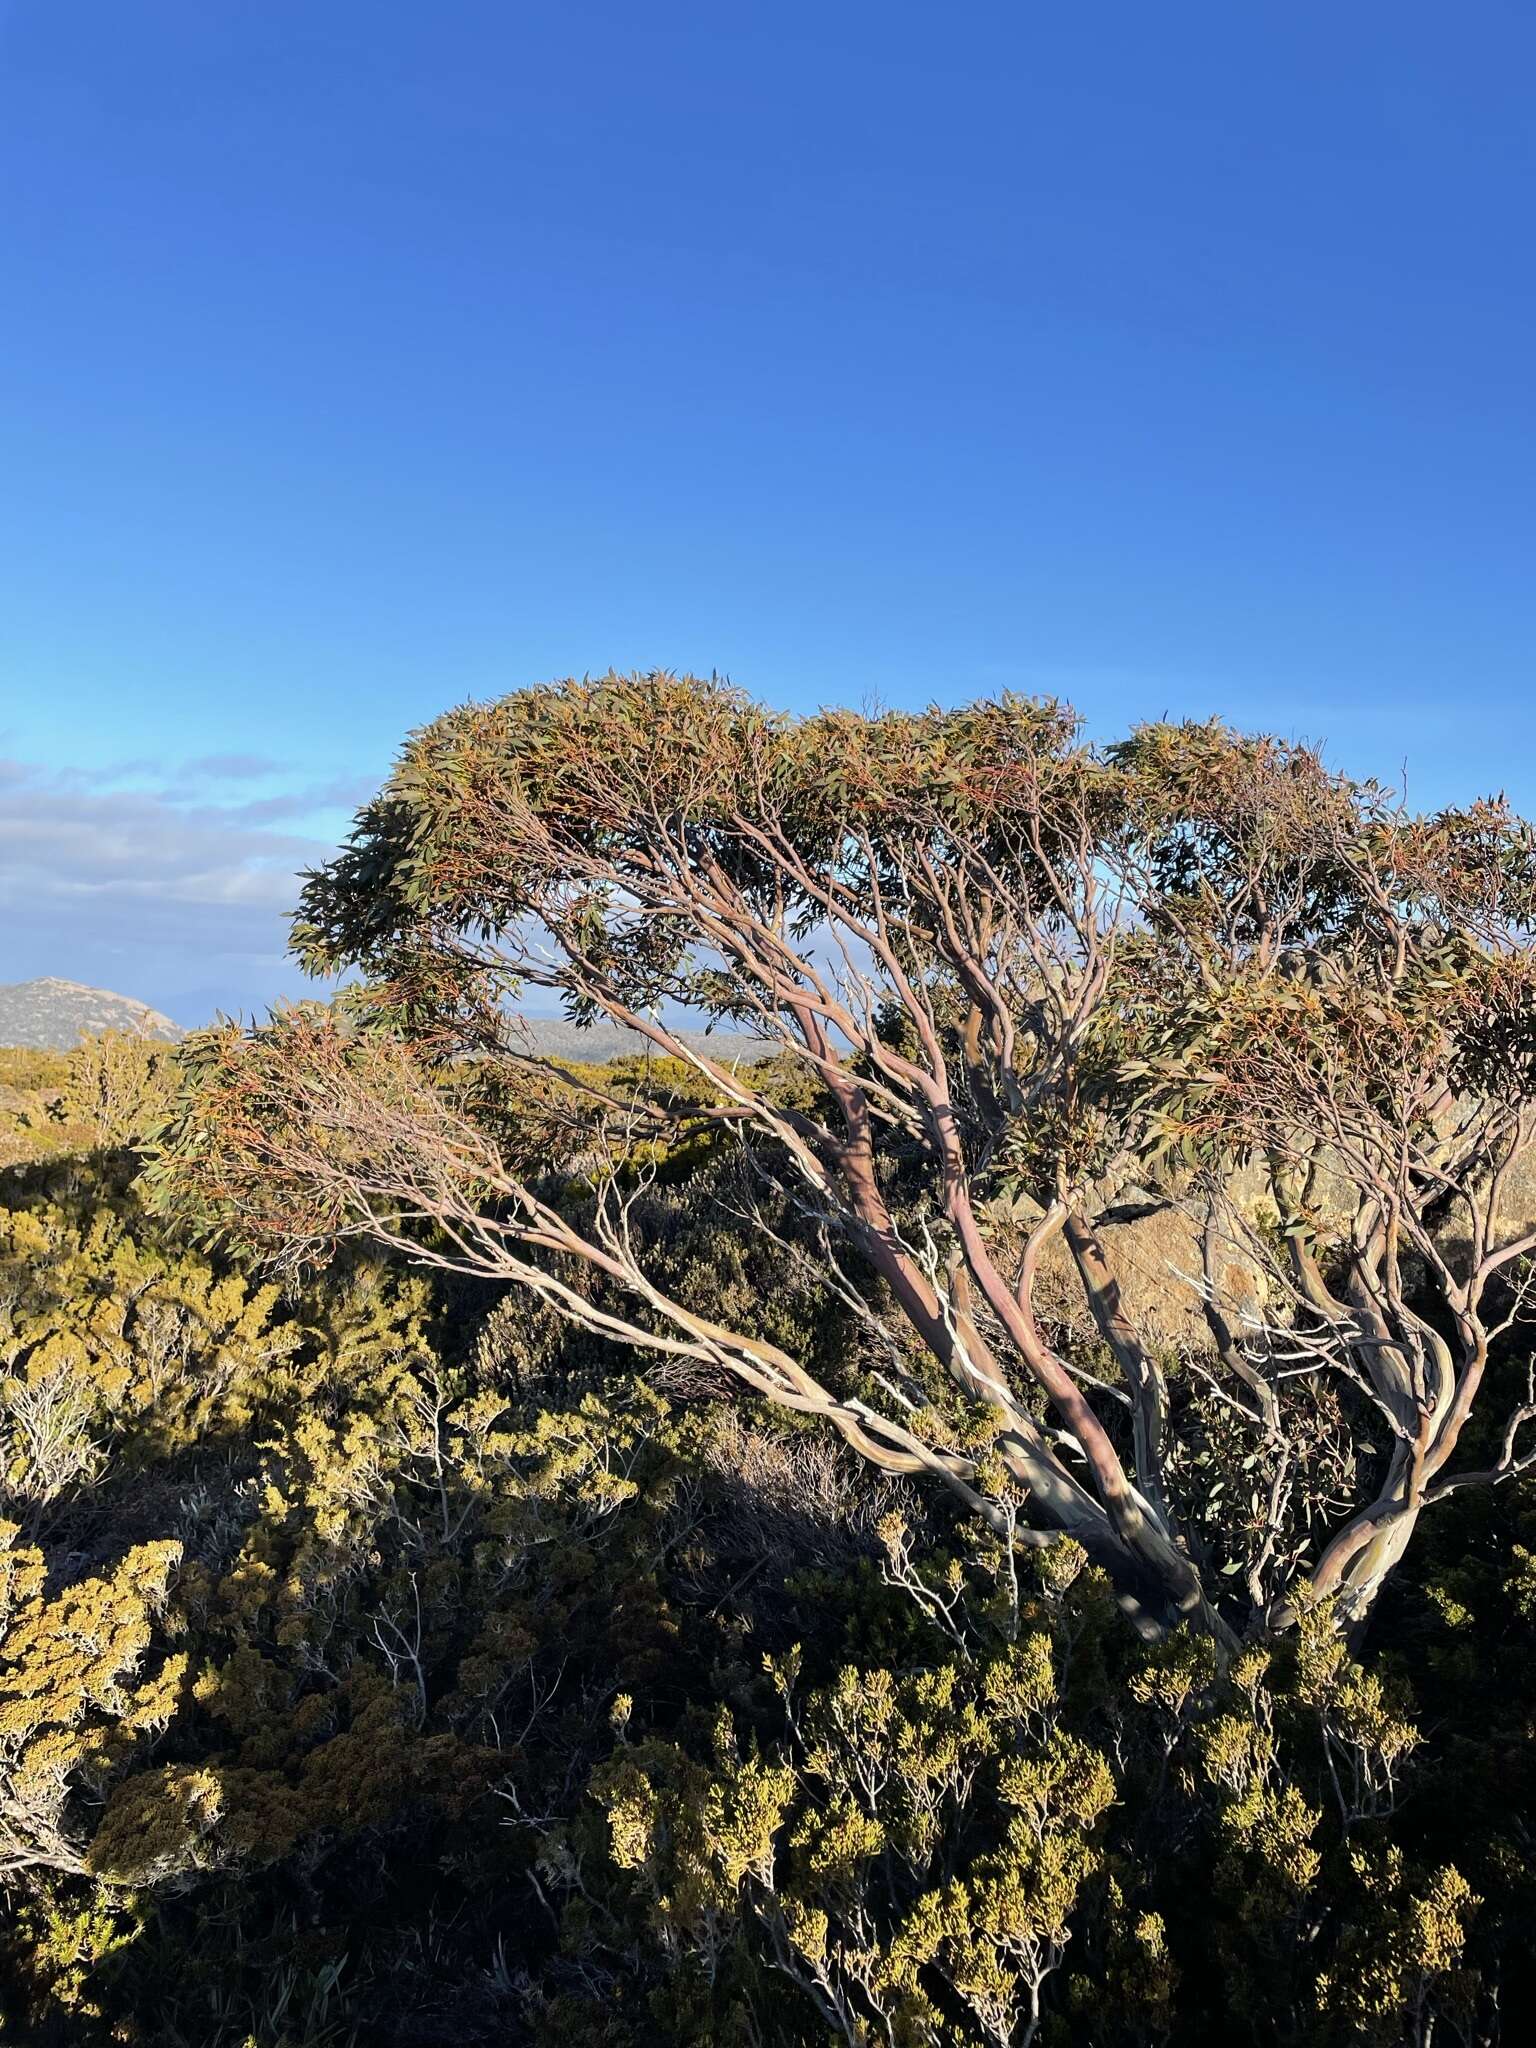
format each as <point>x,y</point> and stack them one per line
<point>558,1038</point>
<point>53,1015</point>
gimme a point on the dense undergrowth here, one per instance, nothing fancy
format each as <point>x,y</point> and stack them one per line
<point>381,1661</point>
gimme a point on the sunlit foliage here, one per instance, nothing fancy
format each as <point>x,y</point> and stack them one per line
<point>404,1645</point>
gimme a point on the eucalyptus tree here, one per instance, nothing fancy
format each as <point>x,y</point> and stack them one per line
<point>1012,982</point>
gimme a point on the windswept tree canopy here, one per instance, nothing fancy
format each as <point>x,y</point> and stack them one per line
<point>1015,984</point>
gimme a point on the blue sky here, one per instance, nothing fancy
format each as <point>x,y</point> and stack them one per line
<point>355,359</point>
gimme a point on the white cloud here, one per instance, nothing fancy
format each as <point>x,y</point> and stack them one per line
<point>163,894</point>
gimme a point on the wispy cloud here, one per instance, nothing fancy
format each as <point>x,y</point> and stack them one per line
<point>164,893</point>
<point>345,793</point>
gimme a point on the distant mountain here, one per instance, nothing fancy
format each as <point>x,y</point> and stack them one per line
<point>557,1038</point>
<point>58,1014</point>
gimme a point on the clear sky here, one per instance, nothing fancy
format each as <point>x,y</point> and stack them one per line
<point>359,356</point>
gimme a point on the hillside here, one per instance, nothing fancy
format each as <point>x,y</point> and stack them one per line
<point>54,1015</point>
